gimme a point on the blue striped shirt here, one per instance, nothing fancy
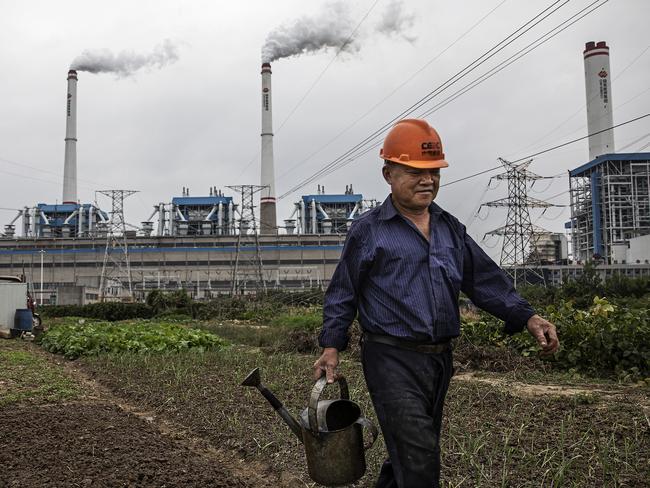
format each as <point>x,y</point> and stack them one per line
<point>405,286</point>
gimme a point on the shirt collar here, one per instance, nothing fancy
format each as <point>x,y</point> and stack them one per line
<point>388,210</point>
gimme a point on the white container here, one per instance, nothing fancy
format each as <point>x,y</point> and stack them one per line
<point>12,296</point>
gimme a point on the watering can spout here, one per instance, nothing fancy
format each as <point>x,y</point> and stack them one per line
<point>254,379</point>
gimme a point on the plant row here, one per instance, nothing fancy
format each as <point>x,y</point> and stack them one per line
<point>78,338</point>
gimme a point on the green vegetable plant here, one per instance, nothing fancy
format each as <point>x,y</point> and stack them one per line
<point>77,338</point>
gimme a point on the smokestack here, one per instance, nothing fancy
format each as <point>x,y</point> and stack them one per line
<point>268,223</point>
<point>70,162</point>
<point>599,98</point>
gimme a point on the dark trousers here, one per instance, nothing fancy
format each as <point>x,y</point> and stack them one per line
<point>408,390</point>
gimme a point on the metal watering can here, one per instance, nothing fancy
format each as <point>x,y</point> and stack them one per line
<point>331,431</point>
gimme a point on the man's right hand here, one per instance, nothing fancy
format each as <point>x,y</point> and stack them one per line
<point>327,363</point>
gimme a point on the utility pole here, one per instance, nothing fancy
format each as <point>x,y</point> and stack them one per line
<point>248,266</point>
<point>519,253</point>
<point>40,301</point>
<point>116,268</point>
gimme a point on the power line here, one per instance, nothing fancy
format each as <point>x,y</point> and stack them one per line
<point>629,100</point>
<point>471,176</point>
<point>515,57</point>
<point>341,161</point>
<point>583,106</point>
<point>581,138</point>
<point>338,52</point>
<point>547,150</point>
<point>318,78</point>
<point>643,147</point>
<point>634,142</point>
<point>350,154</point>
<point>395,90</point>
<point>40,170</point>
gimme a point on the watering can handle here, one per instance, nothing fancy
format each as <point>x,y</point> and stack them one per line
<point>364,422</point>
<point>315,397</point>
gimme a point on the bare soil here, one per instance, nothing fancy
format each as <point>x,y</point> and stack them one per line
<point>97,445</point>
<point>100,440</point>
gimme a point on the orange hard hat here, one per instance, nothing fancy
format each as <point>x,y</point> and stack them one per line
<point>414,143</point>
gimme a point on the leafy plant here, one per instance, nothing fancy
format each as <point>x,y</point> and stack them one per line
<point>88,339</point>
<point>605,339</point>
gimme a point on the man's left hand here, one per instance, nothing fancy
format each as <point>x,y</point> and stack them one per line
<point>544,333</point>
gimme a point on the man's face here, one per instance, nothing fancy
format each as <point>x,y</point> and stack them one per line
<point>413,189</point>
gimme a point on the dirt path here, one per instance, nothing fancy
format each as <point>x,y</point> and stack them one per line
<point>626,394</point>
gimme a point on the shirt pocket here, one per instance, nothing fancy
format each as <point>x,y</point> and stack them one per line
<point>452,265</point>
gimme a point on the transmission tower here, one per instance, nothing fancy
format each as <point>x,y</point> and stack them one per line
<point>116,268</point>
<point>248,269</point>
<point>519,253</point>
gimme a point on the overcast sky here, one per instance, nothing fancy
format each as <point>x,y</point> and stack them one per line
<point>195,121</point>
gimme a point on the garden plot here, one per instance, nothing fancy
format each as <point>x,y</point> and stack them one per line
<point>58,430</point>
<point>491,436</point>
<point>178,417</point>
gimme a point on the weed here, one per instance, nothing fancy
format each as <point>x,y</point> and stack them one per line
<point>28,377</point>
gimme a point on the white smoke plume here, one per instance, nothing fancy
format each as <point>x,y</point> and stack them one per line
<point>125,63</point>
<point>330,28</point>
<point>396,21</point>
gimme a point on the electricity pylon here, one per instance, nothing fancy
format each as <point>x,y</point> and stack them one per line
<point>519,253</point>
<point>116,268</point>
<point>248,269</point>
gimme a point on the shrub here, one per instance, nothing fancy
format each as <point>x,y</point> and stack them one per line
<point>606,339</point>
<point>110,311</point>
<point>163,301</point>
<point>632,292</point>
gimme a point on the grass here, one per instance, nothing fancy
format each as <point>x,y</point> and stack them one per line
<point>491,437</point>
<point>26,376</point>
<point>281,332</point>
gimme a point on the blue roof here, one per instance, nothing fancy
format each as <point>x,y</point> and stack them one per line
<point>65,208</point>
<point>60,207</point>
<point>201,200</point>
<point>333,198</point>
<point>610,157</point>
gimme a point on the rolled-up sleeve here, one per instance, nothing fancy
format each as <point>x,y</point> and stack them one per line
<point>488,286</point>
<point>341,298</point>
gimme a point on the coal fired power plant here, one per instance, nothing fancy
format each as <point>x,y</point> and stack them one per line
<point>205,242</point>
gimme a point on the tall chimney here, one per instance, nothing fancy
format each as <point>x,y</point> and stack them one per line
<point>599,98</point>
<point>268,222</point>
<point>70,162</point>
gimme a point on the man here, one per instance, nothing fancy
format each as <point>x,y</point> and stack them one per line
<point>403,266</point>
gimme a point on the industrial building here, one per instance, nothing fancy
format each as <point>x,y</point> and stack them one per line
<point>214,215</point>
<point>189,242</point>
<point>610,195</point>
<point>551,248</point>
<point>59,220</point>
<point>327,213</point>
<point>610,206</point>
<point>193,242</point>
<point>203,265</point>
